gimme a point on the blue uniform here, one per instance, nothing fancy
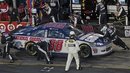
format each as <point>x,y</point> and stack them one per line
<point>110,32</point>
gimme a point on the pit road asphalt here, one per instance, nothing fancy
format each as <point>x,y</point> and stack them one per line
<point>119,59</point>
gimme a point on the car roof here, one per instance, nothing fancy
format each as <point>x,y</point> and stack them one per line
<point>28,29</point>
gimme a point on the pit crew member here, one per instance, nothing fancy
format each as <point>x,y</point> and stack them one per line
<point>102,12</point>
<point>73,49</point>
<point>110,31</point>
<point>8,46</point>
<point>121,13</point>
<point>41,48</point>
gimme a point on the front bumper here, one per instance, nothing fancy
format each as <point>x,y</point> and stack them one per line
<point>102,50</point>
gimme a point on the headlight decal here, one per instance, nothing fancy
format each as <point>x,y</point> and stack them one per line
<point>95,50</point>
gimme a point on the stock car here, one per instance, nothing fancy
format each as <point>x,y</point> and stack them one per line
<point>91,44</point>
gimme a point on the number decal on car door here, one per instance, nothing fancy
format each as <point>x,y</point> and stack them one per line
<point>55,45</point>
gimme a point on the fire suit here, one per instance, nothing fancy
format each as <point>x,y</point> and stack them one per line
<point>102,13</point>
<point>48,13</point>
<point>4,7</point>
<point>41,48</point>
<point>73,49</point>
<point>76,19</point>
<point>121,14</point>
<point>110,32</point>
<point>34,17</point>
<point>8,46</point>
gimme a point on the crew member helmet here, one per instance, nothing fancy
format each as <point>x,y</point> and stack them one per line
<point>99,1</point>
<point>1,0</point>
<point>72,33</point>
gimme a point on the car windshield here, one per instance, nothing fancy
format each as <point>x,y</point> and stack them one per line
<point>39,33</point>
<point>71,28</point>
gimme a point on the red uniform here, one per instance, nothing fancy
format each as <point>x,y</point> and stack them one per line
<point>4,7</point>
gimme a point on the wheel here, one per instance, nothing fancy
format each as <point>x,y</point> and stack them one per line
<point>85,51</point>
<point>30,49</point>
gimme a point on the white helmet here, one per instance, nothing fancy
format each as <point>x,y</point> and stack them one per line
<point>1,0</point>
<point>72,33</point>
<point>99,1</point>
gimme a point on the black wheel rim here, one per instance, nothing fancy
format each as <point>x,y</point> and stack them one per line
<point>30,49</point>
<point>85,51</point>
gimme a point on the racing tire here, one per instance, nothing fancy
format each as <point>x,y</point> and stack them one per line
<point>85,51</point>
<point>30,49</point>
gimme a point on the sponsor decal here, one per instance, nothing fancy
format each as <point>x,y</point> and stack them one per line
<point>10,27</point>
<point>28,38</point>
<point>21,37</point>
<point>2,27</point>
<point>19,25</point>
<point>35,39</point>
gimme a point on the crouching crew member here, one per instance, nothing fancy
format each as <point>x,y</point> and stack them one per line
<point>73,49</point>
<point>41,48</point>
<point>8,46</point>
<point>110,31</point>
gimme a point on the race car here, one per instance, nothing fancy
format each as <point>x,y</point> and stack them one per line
<point>91,44</point>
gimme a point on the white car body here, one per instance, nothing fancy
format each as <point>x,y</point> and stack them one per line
<point>60,46</point>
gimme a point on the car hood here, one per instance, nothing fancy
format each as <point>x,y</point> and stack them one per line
<point>90,37</point>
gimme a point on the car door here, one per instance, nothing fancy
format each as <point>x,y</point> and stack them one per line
<point>37,35</point>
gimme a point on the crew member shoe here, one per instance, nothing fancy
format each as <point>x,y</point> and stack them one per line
<point>80,68</point>
<point>49,62</point>
<point>66,70</point>
<point>126,48</point>
<point>11,61</point>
